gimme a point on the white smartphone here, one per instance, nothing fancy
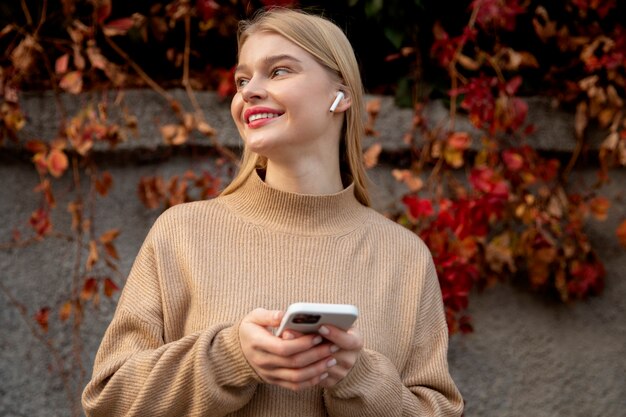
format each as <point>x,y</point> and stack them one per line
<point>308,317</point>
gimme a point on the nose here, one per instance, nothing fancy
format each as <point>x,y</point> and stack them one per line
<point>253,90</point>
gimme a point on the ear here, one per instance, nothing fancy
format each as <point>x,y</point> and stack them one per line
<point>345,102</point>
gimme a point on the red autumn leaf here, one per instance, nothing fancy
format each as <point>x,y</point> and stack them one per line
<point>42,317</point>
<point>90,287</point>
<point>206,9</point>
<point>621,233</point>
<point>110,287</point>
<point>588,279</point>
<point>226,86</point>
<point>487,181</point>
<point>499,14</point>
<point>57,162</point>
<point>40,222</point>
<point>72,82</point>
<point>465,324</point>
<point>36,146</point>
<point>65,311</point>
<point>513,160</point>
<point>418,207</point>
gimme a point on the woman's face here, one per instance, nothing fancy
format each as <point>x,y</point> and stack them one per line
<point>281,108</point>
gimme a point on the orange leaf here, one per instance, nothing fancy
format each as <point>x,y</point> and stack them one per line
<point>174,134</point>
<point>110,287</point>
<point>151,191</point>
<point>42,317</point>
<point>90,287</point>
<point>93,255</point>
<point>36,146</point>
<point>205,128</point>
<point>599,207</point>
<point>104,184</point>
<point>76,210</point>
<point>96,58</point>
<point>118,26</point>
<point>453,157</point>
<point>65,311</point>
<point>72,82</point>
<point>412,181</point>
<point>621,233</point>
<point>41,162</point>
<point>46,188</point>
<point>109,235</point>
<point>57,162</point>
<point>60,66</point>
<point>111,251</point>
<point>370,156</point>
<point>459,140</point>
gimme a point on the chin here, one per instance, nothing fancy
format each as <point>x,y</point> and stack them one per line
<point>261,146</point>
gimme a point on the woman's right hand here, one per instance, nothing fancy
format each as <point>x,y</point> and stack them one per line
<point>293,363</point>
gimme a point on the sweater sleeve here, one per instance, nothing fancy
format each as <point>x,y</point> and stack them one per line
<point>374,386</point>
<point>137,374</point>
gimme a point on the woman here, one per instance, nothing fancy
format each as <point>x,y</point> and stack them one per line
<point>192,332</point>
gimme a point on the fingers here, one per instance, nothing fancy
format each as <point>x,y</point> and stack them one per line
<point>296,361</point>
<point>346,340</point>
<point>348,346</point>
<point>264,318</point>
<point>300,378</point>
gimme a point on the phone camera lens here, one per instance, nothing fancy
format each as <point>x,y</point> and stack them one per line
<point>306,318</point>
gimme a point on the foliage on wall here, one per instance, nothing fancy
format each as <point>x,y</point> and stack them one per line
<point>488,205</point>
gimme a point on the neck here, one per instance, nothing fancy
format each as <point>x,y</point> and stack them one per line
<point>304,177</point>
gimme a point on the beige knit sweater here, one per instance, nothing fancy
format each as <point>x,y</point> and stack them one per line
<point>172,348</point>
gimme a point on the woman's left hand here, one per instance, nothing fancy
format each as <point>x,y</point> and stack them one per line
<point>348,344</point>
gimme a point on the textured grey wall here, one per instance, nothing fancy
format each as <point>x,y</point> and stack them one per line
<point>527,357</point>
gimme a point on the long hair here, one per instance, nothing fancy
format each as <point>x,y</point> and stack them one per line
<point>327,43</point>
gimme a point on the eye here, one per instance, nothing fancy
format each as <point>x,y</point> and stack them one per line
<point>240,82</point>
<point>277,72</point>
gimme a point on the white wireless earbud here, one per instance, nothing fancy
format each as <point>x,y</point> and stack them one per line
<point>333,106</point>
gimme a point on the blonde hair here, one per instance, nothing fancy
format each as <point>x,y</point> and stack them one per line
<point>327,43</point>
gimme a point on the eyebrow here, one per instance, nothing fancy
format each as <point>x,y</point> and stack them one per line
<point>270,60</point>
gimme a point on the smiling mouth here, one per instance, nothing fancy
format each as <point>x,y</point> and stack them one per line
<point>259,116</point>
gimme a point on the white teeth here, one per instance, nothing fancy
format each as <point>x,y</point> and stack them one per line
<point>258,116</point>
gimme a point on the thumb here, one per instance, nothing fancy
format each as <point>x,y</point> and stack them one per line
<point>264,318</point>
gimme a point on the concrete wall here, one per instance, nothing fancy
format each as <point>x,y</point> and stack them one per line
<point>527,357</point>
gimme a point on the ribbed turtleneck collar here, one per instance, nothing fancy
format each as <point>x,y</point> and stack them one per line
<point>301,214</point>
